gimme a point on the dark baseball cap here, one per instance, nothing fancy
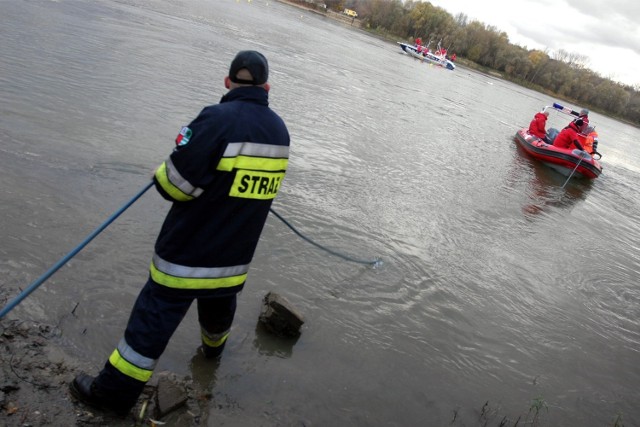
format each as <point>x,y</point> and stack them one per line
<point>254,62</point>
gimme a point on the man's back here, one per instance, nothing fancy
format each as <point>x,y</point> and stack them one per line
<point>238,156</point>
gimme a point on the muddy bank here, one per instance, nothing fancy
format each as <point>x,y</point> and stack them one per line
<point>311,7</point>
<point>35,374</point>
<point>34,386</point>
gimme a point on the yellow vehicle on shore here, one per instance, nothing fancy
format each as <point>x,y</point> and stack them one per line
<point>350,12</point>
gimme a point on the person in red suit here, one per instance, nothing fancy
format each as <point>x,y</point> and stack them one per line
<point>569,135</point>
<point>538,128</point>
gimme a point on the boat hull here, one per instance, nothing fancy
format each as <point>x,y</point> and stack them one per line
<point>568,162</point>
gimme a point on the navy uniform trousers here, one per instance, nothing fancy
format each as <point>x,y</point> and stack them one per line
<point>154,318</point>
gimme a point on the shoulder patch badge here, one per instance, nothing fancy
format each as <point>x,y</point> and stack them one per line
<point>183,137</point>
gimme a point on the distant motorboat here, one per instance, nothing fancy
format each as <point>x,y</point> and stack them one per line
<point>430,57</point>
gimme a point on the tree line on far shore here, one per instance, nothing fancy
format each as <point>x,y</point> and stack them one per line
<point>562,74</point>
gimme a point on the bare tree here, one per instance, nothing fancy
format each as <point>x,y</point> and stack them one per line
<point>572,59</point>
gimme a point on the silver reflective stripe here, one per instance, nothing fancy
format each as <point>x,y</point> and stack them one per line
<point>253,149</point>
<point>177,270</point>
<point>135,358</point>
<point>215,337</point>
<point>176,179</point>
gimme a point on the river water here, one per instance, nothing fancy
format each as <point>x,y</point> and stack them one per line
<point>499,291</point>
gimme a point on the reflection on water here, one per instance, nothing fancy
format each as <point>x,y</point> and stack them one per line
<point>544,187</point>
<point>544,197</point>
<point>268,344</point>
<point>204,372</point>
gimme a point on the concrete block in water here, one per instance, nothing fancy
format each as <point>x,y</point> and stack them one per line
<point>279,316</point>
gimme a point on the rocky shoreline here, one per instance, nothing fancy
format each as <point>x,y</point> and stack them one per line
<point>35,375</point>
<point>34,386</point>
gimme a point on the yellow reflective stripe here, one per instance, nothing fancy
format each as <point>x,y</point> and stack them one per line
<point>162,175</point>
<point>129,369</point>
<point>217,343</point>
<point>195,282</point>
<point>253,163</point>
<point>256,185</point>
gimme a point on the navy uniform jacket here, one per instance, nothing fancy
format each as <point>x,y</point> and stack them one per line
<point>222,177</point>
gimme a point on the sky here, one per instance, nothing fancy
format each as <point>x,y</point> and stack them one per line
<point>606,32</point>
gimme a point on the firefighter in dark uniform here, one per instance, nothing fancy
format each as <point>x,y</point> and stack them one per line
<point>224,173</point>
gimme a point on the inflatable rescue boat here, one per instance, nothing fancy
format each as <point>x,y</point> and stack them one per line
<point>567,161</point>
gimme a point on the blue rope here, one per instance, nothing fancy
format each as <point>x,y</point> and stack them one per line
<point>17,300</point>
<point>71,254</point>
<point>375,262</point>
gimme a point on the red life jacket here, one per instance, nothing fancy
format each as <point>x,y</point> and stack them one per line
<point>537,125</point>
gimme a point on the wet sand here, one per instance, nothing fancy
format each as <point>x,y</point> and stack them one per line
<point>34,385</point>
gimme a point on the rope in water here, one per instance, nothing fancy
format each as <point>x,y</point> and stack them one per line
<point>375,262</point>
<point>574,169</point>
<point>12,304</point>
<point>71,254</point>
